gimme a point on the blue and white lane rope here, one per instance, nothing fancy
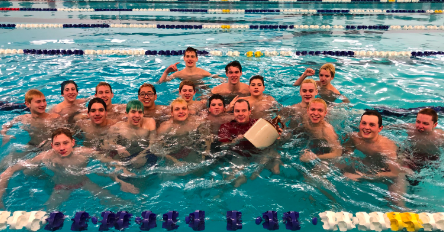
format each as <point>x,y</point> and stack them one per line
<point>241,11</point>
<point>225,28</point>
<point>267,53</point>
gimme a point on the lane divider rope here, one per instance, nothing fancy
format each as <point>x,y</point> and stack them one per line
<point>243,11</point>
<point>228,27</point>
<point>268,53</point>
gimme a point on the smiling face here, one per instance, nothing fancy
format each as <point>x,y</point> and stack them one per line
<point>369,127</point>
<point>233,75</point>
<point>325,77</point>
<point>424,123</point>
<point>179,112</point>
<point>241,112</point>
<point>187,93</point>
<point>37,105</point>
<point>147,96</point>
<point>308,92</point>
<point>63,145</point>
<point>216,107</point>
<point>256,87</point>
<point>105,93</point>
<point>135,116</point>
<point>316,112</point>
<point>70,93</point>
<point>190,59</point>
<point>97,114</point>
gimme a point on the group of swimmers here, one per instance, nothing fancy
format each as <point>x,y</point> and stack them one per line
<point>134,136</point>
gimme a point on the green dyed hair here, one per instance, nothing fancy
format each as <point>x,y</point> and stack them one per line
<point>134,104</point>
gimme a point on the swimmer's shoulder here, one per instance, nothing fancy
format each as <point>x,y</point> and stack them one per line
<point>165,127</point>
<point>149,124</point>
<point>53,115</point>
<point>81,101</point>
<point>56,109</point>
<point>334,90</point>
<point>111,122</point>
<point>203,72</point>
<point>218,89</point>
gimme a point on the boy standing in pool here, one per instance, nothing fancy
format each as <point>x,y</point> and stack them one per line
<point>297,112</point>
<point>324,140</point>
<point>96,127</point>
<point>148,96</point>
<point>38,123</point>
<point>187,90</point>
<point>190,72</point>
<point>113,111</point>
<point>136,134</point>
<point>70,105</point>
<point>231,134</point>
<point>261,104</point>
<point>424,141</point>
<point>68,164</point>
<point>326,90</point>
<point>234,87</point>
<point>381,154</point>
<point>177,137</point>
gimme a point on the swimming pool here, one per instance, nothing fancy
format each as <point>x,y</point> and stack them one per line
<point>397,82</point>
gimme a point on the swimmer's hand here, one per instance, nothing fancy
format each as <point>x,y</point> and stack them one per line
<point>230,107</point>
<point>128,188</point>
<point>308,72</point>
<point>172,68</point>
<point>308,156</point>
<point>238,139</point>
<point>7,138</point>
<point>353,176</point>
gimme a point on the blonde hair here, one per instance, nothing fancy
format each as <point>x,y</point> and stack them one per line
<point>31,94</point>
<point>318,100</point>
<point>178,101</point>
<point>310,81</point>
<point>329,67</point>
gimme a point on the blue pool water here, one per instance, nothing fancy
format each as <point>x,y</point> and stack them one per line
<point>367,82</point>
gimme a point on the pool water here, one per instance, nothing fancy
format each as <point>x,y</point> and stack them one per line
<point>367,82</point>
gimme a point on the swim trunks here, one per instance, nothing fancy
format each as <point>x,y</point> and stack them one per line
<point>151,159</point>
<point>68,186</point>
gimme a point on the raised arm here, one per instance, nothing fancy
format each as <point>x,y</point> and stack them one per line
<point>308,72</point>
<point>5,129</point>
<point>170,69</point>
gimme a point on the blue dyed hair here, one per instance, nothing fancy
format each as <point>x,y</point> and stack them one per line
<point>134,104</point>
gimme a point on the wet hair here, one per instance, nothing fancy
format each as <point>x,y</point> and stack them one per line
<point>96,100</point>
<point>60,131</point>
<point>216,97</point>
<point>242,100</point>
<point>318,100</point>
<point>68,82</point>
<point>329,67</point>
<point>147,85</point>
<point>257,77</point>
<point>187,82</point>
<point>190,49</point>
<point>31,94</point>
<point>134,104</point>
<point>233,64</point>
<point>309,81</point>
<point>374,113</point>
<point>430,112</point>
<point>104,84</point>
<point>178,101</point>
